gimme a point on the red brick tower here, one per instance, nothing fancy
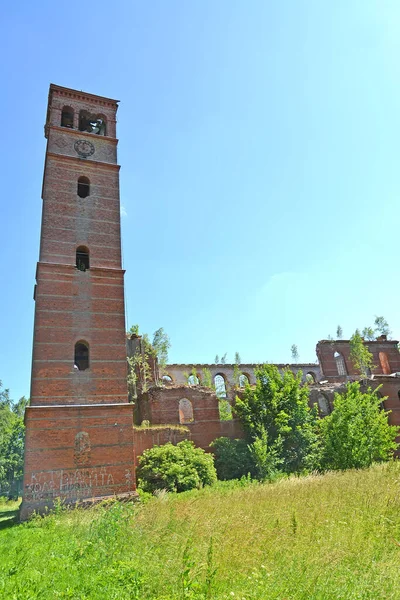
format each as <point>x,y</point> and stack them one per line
<point>79,436</point>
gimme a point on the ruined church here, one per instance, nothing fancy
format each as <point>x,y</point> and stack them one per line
<point>83,435</point>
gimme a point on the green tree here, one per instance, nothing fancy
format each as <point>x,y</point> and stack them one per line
<point>175,468</point>
<point>294,352</point>
<point>339,332</point>
<point>12,433</point>
<point>223,359</point>
<point>368,333</point>
<point>357,432</point>
<point>160,346</point>
<point>360,356</point>
<point>233,458</point>
<point>280,426</point>
<point>206,379</point>
<point>216,359</point>
<point>382,326</point>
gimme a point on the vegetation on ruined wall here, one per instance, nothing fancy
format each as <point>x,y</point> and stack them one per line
<point>141,361</point>
<point>314,538</point>
<point>360,356</point>
<point>175,468</point>
<point>12,434</point>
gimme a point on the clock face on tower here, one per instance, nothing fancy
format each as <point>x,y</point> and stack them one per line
<point>84,148</point>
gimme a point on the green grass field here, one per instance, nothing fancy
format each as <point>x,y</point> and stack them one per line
<point>335,536</point>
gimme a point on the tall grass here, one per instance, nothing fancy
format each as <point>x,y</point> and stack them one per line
<point>318,537</point>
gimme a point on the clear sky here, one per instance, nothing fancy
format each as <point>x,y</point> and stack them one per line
<point>260,180</point>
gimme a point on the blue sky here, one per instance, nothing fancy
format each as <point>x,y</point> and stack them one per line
<point>259,144</point>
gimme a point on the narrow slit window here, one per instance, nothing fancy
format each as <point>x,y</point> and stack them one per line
<point>82,258</point>
<point>81,360</point>
<point>83,187</point>
<point>67,117</point>
<point>185,411</point>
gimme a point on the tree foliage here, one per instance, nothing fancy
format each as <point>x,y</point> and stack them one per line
<point>12,435</point>
<point>175,468</point>
<point>294,352</point>
<point>281,427</point>
<point>360,356</point>
<point>339,332</point>
<point>357,432</point>
<point>233,458</point>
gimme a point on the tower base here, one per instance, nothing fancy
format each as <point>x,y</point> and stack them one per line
<point>75,453</point>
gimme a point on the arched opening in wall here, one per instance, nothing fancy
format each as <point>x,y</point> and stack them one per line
<point>83,190</point>
<point>82,258</point>
<point>323,405</point>
<point>220,386</point>
<point>81,360</point>
<point>193,380</point>
<point>340,364</point>
<point>67,117</point>
<point>185,411</point>
<point>243,380</point>
<point>167,379</point>
<point>311,377</point>
<point>383,359</point>
<point>92,123</point>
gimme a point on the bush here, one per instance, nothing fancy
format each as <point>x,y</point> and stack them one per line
<point>233,458</point>
<point>357,432</point>
<point>175,468</point>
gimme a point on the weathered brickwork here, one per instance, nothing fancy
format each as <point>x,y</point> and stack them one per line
<point>79,440</point>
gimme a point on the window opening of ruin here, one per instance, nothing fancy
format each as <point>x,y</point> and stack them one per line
<point>383,359</point>
<point>167,378</point>
<point>243,380</point>
<point>310,377</point>
<point>220,387</point>
<point>193,380</point>
<point>323,405</point>
<point>83,187</point>
<point>81,360</point>
<point>82,258</point>
<point>185,411</point>
<point>67,117</point>
<point>92,123</point>
<point>340,364</point>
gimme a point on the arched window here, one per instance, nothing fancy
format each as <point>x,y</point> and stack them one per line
<point>323,405</point>
<point>193,380</point>
<point>185,411</point>
<point>82,258</point>
<point>81,360</point>
<point>243,380</point>
<point>92,123</point>
<point>67,117</point>
<point>383,359</point>
<point>167,379</point>
<point>340,364</point>
<point>220,387</point>
<point>310,377</point>
<point>83,187</point>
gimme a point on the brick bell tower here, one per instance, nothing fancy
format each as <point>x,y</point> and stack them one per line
<point>79,434</point>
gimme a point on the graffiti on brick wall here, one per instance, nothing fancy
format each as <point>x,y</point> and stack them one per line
<point>77,484</point>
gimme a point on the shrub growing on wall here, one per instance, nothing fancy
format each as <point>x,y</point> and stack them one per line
<point>175,468</point>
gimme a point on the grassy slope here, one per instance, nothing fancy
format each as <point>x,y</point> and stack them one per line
<point>324,537</point>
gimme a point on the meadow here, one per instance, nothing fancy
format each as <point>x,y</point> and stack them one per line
<point>320,537</point>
